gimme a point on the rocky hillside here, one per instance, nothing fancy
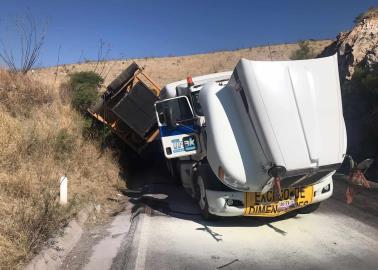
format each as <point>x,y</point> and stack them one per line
<point>358,46</point>
<point>358,66</point>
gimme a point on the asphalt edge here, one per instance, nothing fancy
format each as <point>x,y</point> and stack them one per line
<point>52,256</point>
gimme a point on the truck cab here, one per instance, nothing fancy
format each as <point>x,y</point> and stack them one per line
<point>261,140</point>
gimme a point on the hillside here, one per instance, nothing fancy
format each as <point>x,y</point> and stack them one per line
<point>168,69</point>
<point>40,141</point>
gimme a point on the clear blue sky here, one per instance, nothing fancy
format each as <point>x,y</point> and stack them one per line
<point>168,27</point>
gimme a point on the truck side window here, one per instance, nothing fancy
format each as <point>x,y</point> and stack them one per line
<point>180,108</point>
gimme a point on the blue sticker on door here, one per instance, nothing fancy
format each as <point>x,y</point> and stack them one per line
<point>187,144</point>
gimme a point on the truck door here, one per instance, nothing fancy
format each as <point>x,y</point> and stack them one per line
<point>177,125</point>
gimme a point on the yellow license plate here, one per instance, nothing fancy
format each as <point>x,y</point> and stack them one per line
<point>263,205</point>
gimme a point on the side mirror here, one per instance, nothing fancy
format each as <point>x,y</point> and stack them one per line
<point>169,119</point>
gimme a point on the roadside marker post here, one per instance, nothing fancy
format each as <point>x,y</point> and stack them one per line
<point>63,192</point>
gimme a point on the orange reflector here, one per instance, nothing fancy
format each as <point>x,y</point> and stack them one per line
<point>189,80</point>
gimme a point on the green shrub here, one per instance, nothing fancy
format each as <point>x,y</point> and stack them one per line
<point>84,97</point>
<point>85,77</point>
<point>84,87</point>
<point>83,93</point>
<point>304,51</point>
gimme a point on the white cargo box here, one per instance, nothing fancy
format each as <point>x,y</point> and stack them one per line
<point>274,113</point>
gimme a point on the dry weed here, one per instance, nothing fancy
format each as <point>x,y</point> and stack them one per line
<point>19,93</point>
<point>40,140</point>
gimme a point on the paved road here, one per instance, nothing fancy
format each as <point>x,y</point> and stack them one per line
<point>166,232</point>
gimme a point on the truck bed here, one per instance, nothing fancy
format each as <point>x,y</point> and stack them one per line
<point>127,107</point>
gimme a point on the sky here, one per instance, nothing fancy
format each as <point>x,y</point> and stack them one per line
<point>135,29</point>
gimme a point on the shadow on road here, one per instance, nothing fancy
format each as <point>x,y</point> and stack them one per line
<point>149,186</point>
<point>153,189</point>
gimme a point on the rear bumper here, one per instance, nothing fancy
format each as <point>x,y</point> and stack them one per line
<point>217,200</point>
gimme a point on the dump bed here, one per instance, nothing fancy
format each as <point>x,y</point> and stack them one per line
<point>285,114</point>
<point>127,107</point>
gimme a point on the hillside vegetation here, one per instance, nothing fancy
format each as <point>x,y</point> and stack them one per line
<point>40,140</point>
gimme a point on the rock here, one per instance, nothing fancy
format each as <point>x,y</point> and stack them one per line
<point>98,208</point>
<point>358,46</point>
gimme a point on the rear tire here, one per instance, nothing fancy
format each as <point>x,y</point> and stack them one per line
<point>309,208</point>
<point>201,183</point>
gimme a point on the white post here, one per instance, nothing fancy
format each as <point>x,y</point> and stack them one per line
<point>63,190</point>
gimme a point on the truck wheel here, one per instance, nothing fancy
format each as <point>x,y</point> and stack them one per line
<point>200,188</point>
<point>309,208</point>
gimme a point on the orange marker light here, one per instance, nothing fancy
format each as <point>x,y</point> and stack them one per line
<point>221,173</point>
<point>189,80</point>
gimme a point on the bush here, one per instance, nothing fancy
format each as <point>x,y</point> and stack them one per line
<point>83,94</point>
<point>304,51</point>
<point>84,97</point>
<point>84,87</point>
<point>85,77</point>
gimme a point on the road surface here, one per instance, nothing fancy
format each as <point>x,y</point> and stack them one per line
<point>162,229</point>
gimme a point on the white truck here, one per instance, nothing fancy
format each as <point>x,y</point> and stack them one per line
<point>262,140</point>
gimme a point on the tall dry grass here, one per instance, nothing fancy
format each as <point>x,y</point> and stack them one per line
<point>40,140</point>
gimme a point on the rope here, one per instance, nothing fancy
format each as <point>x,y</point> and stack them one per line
<point>356,178</point>
<point>277,188</point>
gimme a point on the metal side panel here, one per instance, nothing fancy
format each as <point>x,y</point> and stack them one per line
<point>136,109</point>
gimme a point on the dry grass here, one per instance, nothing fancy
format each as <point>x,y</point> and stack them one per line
<point>40,140</point>
<point>169,69</point>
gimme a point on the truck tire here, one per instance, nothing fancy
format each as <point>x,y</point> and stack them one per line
<point>309,208</point>
<point>202,181</point>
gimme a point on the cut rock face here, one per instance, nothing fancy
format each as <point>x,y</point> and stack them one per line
<point>359,46</point>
